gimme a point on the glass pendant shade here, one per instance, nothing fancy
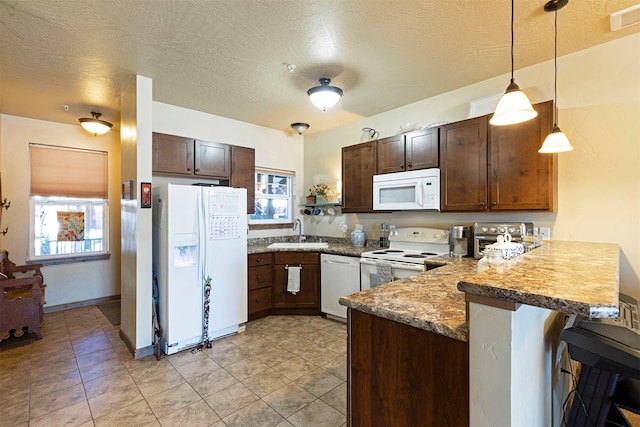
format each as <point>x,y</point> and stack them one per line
<point>324,96</point>
<point>556,142</point>
<point>95,125</point>
<point>299,128</point>
<point>514,107</point>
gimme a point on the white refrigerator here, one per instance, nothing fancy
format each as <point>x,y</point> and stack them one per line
<point>199,232</point>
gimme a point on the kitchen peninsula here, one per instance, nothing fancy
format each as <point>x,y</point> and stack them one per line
<point>452,347</point>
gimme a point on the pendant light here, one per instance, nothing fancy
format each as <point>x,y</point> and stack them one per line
<point>556,141</point>
<point>514,106</point>
<point>299,128</point>
<point>95,125</point>
<point>324,96</point>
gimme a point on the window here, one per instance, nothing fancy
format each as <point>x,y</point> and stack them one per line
<point>273,197</point>
<point>68,204</point>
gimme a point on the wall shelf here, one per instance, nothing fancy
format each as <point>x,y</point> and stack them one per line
<point>322,205</point>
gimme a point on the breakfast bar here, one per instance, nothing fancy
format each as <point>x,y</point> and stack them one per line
<point>493,337</point>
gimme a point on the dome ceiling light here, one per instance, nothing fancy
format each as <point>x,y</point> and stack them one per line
<point>514,106</point>
<point>324,96</point>
<point>95,125</point>
<point>299,128</point>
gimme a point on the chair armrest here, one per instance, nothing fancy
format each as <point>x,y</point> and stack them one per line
<point>27,268</point>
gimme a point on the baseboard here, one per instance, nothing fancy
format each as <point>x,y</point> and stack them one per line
<point>79,304</point>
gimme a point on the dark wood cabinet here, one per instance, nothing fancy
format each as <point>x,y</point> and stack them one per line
<point>307,301</point>
<point>463,165</point>
<point>243,167</point>
<point>398,375</point>
<point>260,285</point>
<point>520,178</point>
<point>358,168</point>
<point>497,167</point>
<point>409,151</point>
<point>175,155</point>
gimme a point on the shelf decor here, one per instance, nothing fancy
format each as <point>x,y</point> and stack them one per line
<point>320,191</point>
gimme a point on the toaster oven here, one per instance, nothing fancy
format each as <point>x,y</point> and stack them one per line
<point>486,233</point>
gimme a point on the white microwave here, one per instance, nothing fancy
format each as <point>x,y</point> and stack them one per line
<point>412,190</point>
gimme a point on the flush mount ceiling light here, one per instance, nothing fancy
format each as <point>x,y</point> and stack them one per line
<point>299,127</point>
<point>514,106</point>
<point>556,141</point>
<point>95,125</point>
<point>324,96</point>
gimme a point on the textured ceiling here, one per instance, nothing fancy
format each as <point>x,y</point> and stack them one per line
<point>229,57</point>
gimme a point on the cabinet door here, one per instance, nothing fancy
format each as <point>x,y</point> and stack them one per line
<point>172,154</point>
<point>421,149</point>
<point>463,165</point>
<point>358,168</point>
<point>309,295</point>
<point>520,177</point>
<point>243,168</point>
<point>212,159</point>
<point>391,154</point>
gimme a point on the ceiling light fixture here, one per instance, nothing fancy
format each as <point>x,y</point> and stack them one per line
<point>556,141</point>
<point>324,96</point>
<point>299,128</point>
<point>95,125</point>
<point>514,106</point>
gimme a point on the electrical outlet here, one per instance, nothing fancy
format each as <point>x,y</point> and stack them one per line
<point>546,233</point>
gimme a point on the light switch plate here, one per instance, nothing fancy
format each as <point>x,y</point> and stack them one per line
<point>546,233</point>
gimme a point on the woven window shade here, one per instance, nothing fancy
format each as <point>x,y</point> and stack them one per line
<point>68,172</point>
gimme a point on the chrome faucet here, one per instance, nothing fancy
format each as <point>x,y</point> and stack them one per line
<point>298,225</point>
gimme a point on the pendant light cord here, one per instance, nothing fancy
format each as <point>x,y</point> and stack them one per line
<point>512,63</point>
<point>555,71</point>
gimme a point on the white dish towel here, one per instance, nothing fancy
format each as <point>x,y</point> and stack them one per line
<point>293,280</point>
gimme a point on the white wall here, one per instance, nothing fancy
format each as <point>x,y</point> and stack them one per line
<point>65,282</point>
<point>598,196</point>
<point>273,148</point>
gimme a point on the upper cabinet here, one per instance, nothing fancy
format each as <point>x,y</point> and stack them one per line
<point>409,151</point>
<point>497,167</point>
<point>177,155</point>
<point>358,168</point>
<point>243,166</point>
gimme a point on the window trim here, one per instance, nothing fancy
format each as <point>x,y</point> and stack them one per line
<point>257,224</point>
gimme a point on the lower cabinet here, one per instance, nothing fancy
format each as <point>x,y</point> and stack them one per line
<point>260,283</point>
<point>307,301</point>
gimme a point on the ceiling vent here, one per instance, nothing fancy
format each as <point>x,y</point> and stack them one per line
<point>625,18</point>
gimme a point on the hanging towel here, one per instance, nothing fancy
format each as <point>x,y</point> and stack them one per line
<point>293,281</point>
<point>383,272</point>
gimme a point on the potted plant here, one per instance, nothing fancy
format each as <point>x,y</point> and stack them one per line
<point>320,192</point>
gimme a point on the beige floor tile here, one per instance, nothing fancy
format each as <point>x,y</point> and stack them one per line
<point>299,345</point>
<point>209,383</point>
<point>136,414</point>
<point>246,368</point>
<point>184,357</point>
<point>46,404</point>
<point>55,383</point>
<point>320,356</point>
<point>231,399</point>
<point>275,355</point>
<point>289,399</point>
<point>227,356</point>
<point>153,384</point>
<point>70,416</point>
<point>337,398</point>
<point>317,414</point>
<point>266,382</point>
<point>195,414</point>
<point>15,393</point>
<point>337,367</point>
<point>11,415</point>
<point>111,382</point>
<point>172,400</point>
<point>114,399</point>
<point>197,367</point>
<point>257,414</point>
<point>318,382</point>
<point>101,369</point>
<point>94,343</point>
<point>295,368</point>
<point>89,359</point>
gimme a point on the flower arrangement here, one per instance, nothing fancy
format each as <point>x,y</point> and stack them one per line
<point>321,189</point>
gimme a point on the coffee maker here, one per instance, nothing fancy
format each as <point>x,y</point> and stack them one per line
<point>460,241</point>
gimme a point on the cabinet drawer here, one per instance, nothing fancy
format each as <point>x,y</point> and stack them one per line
<point>259,300</point>
<point>260,277</point>
<point>259,259</point>
<point>294,258</point>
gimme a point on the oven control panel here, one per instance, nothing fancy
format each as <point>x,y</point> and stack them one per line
<point>422,235</point>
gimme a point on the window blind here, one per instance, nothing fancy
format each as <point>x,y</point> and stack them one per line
<point>68,172</point>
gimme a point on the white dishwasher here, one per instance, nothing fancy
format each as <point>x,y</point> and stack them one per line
<point>339,276</point>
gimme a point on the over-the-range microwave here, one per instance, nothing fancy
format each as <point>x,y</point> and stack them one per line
<point>412,190</point>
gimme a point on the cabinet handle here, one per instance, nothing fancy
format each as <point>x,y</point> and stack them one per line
<point>258,260</point>
<point>258,277</point>
<point>258,300</point>
<point>494,203</point>
<point>482,203</point>
<point>401,166</point>
<point>409,165</point>
<point>197,169</point>
<point>188,169</point>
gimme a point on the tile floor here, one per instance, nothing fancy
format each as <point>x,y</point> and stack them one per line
<point>283,371</point>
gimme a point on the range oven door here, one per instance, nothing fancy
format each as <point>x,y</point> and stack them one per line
<point>369,276</point>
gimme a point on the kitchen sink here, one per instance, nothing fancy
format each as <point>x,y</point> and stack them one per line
<point>302,245</point>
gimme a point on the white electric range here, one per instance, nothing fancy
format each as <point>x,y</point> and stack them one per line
<point>408,250</point>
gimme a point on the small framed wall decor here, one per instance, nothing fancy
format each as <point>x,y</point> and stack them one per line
<point>127,190</point>
<point>145,194</point>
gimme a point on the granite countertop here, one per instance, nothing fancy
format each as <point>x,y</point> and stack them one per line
<point>337,246</point>
<point>570,277</point>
